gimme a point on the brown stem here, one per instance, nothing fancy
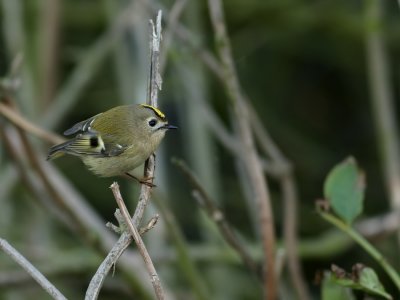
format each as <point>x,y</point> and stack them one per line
<point>216,215</point>
<point>251,160</point>
<point>288,188</point>
<point>26,125</point>
<point>284,173</point>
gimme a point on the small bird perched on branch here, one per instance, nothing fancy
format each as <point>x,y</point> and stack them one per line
<point>116,141</point>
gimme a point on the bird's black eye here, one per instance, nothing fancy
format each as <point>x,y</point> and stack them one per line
<point>152,122</point>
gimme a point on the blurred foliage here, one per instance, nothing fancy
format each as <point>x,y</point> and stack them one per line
<point>301,62</point>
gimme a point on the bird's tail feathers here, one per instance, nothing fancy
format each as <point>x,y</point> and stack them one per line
<point>58,150</point>
<point>89,143</point>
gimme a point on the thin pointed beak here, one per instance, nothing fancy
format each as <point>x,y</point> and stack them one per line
<point>170,126</point>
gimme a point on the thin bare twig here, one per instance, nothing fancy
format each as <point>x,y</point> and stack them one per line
<point>150,225</point>
<point>143,230</point>
<point>154,86</point>
<point>21,122</point>
<point>218,217</point>
<point>155,80</point>
<point>31,270</point>
<point>285,176</point>
<point>251,160</point>
<point>155,280</point>
<point>289,196</point>
<point>74,262</point>
<point>111,259</point>
<point>144,197</point>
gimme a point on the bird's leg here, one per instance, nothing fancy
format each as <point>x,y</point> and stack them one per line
<point>146,180</point>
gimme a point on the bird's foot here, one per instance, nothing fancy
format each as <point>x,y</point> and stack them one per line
<point>146,180</point>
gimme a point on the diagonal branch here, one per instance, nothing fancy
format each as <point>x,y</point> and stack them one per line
<point>28,267</point>
<point>290,200</point>
<point>155,280</point>
<point>21,122</point>
<point>218,217</point>
<point>251,160</point>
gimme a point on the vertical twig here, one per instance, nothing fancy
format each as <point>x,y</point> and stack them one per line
<point>154,85</point>
<point>31,270</point>
<point>155,280</point>
<point>289,195</point>
<point>155,80</point>
<point>125,239</point>
<point>383,104</point>
<point>251,159</point>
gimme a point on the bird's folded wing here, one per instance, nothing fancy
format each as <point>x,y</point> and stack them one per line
<point>82,126</point>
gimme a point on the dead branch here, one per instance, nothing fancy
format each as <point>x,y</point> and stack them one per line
<point>22,123</point>
<point>251,159</point>
<point>123,242</point>
<point>155,280</point>
<point>31,270</point>
<point>217,216</point>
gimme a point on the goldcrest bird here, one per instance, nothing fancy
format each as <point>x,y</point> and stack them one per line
<point>117,141</point>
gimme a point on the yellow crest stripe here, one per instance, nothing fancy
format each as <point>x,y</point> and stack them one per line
<point>156,110</point>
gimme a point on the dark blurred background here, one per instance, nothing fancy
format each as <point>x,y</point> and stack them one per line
<point>302,63</point>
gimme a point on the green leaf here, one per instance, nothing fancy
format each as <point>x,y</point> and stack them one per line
<point>368,282</point>
<point>344,189</point>
<point>333,291</point>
